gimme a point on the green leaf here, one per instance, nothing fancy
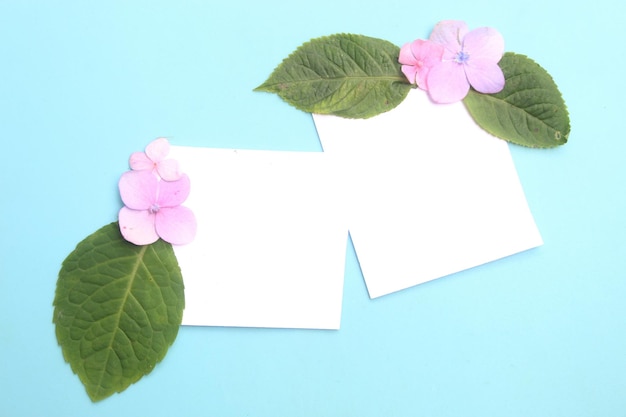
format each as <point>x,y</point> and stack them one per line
<point>529,111</point>
<point>347,75</point>
<point>118,308</point>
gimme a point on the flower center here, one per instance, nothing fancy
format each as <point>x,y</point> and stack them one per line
<point>461,57</point>
<point>154,208</point>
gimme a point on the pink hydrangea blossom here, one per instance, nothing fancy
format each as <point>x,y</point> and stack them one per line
<point>417,58</point>
<point>469,58</point>
<point>154,159</point>
<point>153,209</point>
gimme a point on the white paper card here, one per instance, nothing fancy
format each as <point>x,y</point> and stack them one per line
<point>430,193</point>
<point>271,243</point>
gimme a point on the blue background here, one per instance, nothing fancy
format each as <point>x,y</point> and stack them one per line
<point>84,84</point>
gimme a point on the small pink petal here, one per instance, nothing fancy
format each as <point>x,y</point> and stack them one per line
<point>169,170</point>
<point>176,225</point>
<point>450,34</point>
<point>410,72</point>
<point>409,63</point>
<point>173,193</point>
<point>447,83</point>
<point>138,189</point>
<point>158,149</point>
<point>406,56</point>
<point>139,161</point>
<point>137,226</point>
<point>484,44</point>
<point>485,76</point>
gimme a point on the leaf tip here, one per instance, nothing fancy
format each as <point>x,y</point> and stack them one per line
<point>260,89</point>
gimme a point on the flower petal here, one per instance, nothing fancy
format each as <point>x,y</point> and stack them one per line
<point>173,193</point>
<point>137,226</point>
<point>410,72</point>
<point>485,76</point>
<point>409,63</point>
<point>139,161</point>
<point>158,149</point>
<point>138,189</point>
<point>176,225</point>
<point>484,44</point>
<point>450,34</point>
<point>406,56</point>
<point>447,82</point>
<point>169,170</point>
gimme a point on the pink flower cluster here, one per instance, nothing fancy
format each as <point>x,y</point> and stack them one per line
<point>153,192</point>
<point>453,59</point>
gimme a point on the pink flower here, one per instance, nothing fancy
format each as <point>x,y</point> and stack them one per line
<point>154,159</point>
<point>417,58</point>
<point>153,209</point>
<point>469,58</point>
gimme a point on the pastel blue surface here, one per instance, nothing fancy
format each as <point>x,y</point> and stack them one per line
<point>84,84</point>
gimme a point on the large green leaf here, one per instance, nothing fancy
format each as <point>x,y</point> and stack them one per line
<point>118,308</point>
<point>529,111</point>
<point>347,75</point>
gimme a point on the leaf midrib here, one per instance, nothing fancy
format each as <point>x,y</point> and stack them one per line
<point>340,79</point>
<point>133,275</point>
